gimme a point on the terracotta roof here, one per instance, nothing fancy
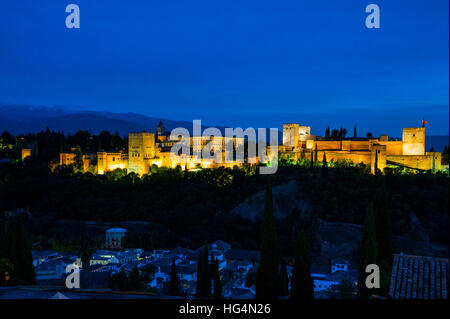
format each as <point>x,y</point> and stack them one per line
<point>419,277</point>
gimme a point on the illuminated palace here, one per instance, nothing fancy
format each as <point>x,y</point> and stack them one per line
<point>147,149</point>
<point>409,152</point>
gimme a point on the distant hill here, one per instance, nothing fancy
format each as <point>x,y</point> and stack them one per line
<point>19,119</point>
<point>24,119</point>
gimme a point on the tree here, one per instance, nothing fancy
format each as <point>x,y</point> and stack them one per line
<point>315,154</point>
<point>200,274</point>
<point>342,133</point>
<point>267,275</point>
<point>6,270</point>
<point>134,282</point>
<point>369,135</point>
<point>16,247</point>
<point>302,285</point>
<point>327,133</point>
<point>367,253</point>
<point>354,133</point>
<point>284,281</point>
<point>324,165</point>
<point>383,226</point>
<point>203,285</point>
<point>217,294</point>
<point>335,135</point>
<point>120,281</point>
<point>78,158</point>
<point>345,289</point>
<point>87,248</point>
<point>376,163</point>
<point>173,285</point>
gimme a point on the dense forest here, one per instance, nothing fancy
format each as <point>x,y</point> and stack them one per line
<point>187,208</point>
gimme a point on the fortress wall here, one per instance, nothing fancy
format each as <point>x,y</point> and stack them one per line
<point>354,156</point>
<point>328,145</point>
<point>424,162</point>
<point>393,147</point>
<point>435,158</point>
<point>359,145</point>
<point>66,158</point>
<point>110,161</point>
<point>378,157</point>
<point>88,160</point>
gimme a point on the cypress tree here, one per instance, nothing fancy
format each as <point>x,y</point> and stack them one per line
<point>203,286</point>
<point>368,252</point>
<point>383,228</point>
<point>327,133</point>
<point>15,247</point>
<point>86,250</point>
<point>217,294</point>
<point>284,281</point>
<point>354,133</point>
<point>25,259</point>
<point>302,285</point>
<point>376,163</point>
<point>200,274</point>
<point>207,274</point>
<point>324,165</point>
<point>267,274</point>
<point>134,283</point>
<point>78,158</point>
<point>173,285</point>
<point>315,154</point>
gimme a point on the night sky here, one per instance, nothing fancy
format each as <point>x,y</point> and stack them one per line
<point>236,63</point>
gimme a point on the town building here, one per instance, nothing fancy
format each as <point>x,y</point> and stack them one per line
<point>26,152</point>
<point>114,237</point>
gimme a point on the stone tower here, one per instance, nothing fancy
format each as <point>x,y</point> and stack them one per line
<point>141,147</point>
<point>413,141</point>
<point>290,134</point>
<point>161,129</point>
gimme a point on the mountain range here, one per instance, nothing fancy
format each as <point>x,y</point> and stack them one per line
<point>20,119</point>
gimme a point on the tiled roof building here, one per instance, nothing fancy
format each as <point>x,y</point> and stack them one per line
<point>419,277</point>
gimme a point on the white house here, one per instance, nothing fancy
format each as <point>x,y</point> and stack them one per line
<point>53,269</point>
<point>104,257</point>
<point>339,264</point>
<point>41,256</point>
<point>114,237</point>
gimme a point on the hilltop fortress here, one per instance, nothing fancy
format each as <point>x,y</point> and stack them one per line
<point>147,149</point>
<point>409,152</point>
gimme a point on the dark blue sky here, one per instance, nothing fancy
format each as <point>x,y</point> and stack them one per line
<point>247,63</point>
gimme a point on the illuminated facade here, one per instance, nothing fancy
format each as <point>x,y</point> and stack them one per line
<point>409,152</point>
<point>147,149</point>
<point>26,152</point>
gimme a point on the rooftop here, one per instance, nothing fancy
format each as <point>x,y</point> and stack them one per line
<point>116,230</point>
<point>241,254</point>
<point>419,277</point>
